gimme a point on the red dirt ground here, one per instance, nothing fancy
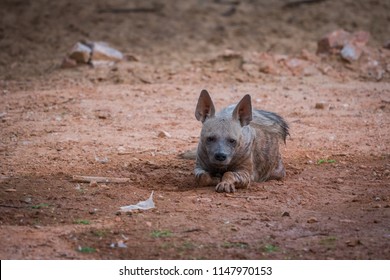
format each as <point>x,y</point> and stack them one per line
<point>56,123</point>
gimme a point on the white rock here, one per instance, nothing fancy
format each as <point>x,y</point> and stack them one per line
<point>101,51</point>
<point>80,53</point>
<point>164,134</point>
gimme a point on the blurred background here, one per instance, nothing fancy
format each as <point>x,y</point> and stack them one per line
<point>36,34</point>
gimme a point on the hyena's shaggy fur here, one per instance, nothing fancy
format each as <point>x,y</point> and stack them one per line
<point>238,145</point>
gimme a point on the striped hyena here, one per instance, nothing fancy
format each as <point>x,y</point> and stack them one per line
<point>238,145</point>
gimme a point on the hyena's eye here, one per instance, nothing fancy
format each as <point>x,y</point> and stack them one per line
<point>210,139</point>
<point>232,141</point>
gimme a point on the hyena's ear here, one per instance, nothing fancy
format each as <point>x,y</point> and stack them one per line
<point>205,108</point>
<point>243,111</point>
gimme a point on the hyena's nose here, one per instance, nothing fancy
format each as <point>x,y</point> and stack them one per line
<point>220,156</point>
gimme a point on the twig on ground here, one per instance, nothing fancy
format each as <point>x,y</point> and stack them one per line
<point>12,206</point>
<point>89,179</point>
<point>247,197</point>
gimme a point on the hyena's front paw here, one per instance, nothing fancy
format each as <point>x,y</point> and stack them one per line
<point>225,187</point>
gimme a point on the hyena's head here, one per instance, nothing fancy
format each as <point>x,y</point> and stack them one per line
<point>222,133</point>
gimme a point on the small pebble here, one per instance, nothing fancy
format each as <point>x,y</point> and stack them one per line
<point>285,214</point>
<point>164,134</point>
<point>353,243</point>
<point>93,184</point>
<point>121,244</point>
<point>233,228</point>
<point>27,200</point>
<point>320,105</point>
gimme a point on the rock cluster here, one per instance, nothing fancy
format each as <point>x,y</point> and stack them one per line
<point>349,45</point>
<point>93,53</point>
<point>353,49</point>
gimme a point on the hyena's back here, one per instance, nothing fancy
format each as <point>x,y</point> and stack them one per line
<point>267,162</point>
<point>268,122</point>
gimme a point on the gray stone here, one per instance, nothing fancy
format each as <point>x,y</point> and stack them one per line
<point>333,41</point>
<point>351,51</point>
<point>80,53</point>
<point>101,51</point>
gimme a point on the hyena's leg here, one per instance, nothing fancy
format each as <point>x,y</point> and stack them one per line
<point>204,178</point>
<point>279,172</point>
<point>232,180</point>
